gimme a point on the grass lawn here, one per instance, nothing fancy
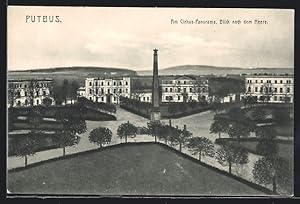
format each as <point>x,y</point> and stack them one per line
<point>143,169</point>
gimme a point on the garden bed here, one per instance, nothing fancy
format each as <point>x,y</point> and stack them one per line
<point>147,169</point>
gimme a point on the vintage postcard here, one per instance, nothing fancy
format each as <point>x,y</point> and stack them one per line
<point>150,101</point>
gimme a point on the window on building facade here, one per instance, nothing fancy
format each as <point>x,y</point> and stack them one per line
<point>90,98</point>
<point>120,83</point>
<point>255,81</point>
<point>288,90</point>
<point>249,89</point>
<point>191,89</point>
<point>108,91</point>
<point>275,98</point>
<point>90,83</point>
<point>96,83</point>
<point>25,86</point>
<point>148,98</point>
<point>191,97</point>
<point>184,82</point>
<point>114,83</point>
<point>166,89</point>
<point>126,83</point>
<point>102,98</point>
<point>270,89</point>
<point>120,90</point>
<point>37,102</point>
<point>115,98</point>
<point>96,91</point>
<point>275,81</point>
<point>108,83</point>
<point>44,93</point>
<point>178,82</point>
<point>280,90</point>
<point>275,90</point>
<point>261,89</point>
<point>171,90</point>
<point>281,81</point>
<point>144,98</point>
<point>91,91</point>
<point>126,90</point>
<point>280,98</point>
<point>179,90</point>
<point>178,98</point>
<point>184,90</point>
<point>102,83</point>
<point>256,89</point>
<point>25,93</point>
<point>114,91</point>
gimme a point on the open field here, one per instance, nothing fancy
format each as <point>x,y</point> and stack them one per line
<point>71,73</point>
<point>130,169</point>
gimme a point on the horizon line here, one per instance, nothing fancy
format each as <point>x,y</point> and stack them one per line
<point>107,67</point>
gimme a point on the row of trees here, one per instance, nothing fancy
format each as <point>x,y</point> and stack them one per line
<point>237,125</point>
<point>82,101</point>
<point>67,135</point>
<point>135,104</point>
<point>227,155</point>
<point>271,169</point>
<point>234,123</point>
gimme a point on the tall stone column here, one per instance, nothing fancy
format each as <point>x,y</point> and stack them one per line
<point>155,114</point>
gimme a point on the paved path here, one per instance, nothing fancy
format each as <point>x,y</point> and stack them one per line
<point>198,124</point>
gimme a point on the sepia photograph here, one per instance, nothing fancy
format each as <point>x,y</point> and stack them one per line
<point>151,102</point>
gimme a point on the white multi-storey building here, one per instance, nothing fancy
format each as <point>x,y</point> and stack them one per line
<point>28,92</point>
<point>184,88</point>
<point>270,88</point>
<point>106,90</point>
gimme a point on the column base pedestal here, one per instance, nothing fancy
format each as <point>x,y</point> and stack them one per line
<point>155,116</point>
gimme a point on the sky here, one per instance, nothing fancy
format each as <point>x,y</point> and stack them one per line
<point>126,37</point>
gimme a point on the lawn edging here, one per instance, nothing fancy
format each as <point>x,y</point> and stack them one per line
<point>246,182</point>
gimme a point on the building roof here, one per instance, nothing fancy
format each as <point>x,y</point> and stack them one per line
<point>109,78</point>
<point>267,75</point>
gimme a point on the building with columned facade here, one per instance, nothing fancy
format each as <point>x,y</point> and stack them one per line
<point>106,90</point>
<point>184,88</point>
<point>29,92</point>
<point>270,88</point>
